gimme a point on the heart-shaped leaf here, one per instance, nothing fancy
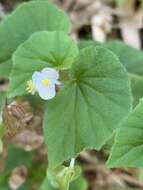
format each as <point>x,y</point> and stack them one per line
<point>132,59</point>
<point>128,148</point>
<point>26,19</point>
<point>42,49</point>
<point>87,110</point>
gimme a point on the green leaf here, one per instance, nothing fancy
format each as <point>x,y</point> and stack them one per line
<point>4,177</point>
<point>61,177</point>
<point>2,101</point>
<point>132,59</point>
<point>86,43</point>
<point>43,49</point>
<point>5,69</point>
<point>137,90</point>
<point>78,184</point>
<point>1,146</point>
<point>128,148</point>
<point>24,187</point>
<point>90,105</point>
<point>2,130</point>
<point>46,185</point>
<point>25,20</point>
<point>120,2</point>
<point>17,157</point>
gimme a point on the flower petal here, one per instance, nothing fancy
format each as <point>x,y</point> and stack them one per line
<point>35,76</point>
<point>47,93</point>
<point>51,73</point>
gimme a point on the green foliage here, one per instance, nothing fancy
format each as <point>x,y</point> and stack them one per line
<point>25,20</point>
<point>4,181</point>
<point>132,59</point>
<point>43,49</point>
<point>78,183</point>
<point>46,185</point>
<point>120,2</point>
<point>5,69</point>
<point>92,103</point>
<point>2,101</point>
<point>128,148</point>
<point>17,157</point>
<point>86,43</point>
<point>61,177</point>
<point>1,146</point>
<point>2,130</point>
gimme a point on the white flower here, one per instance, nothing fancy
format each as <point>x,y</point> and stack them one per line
<point>44,83</point>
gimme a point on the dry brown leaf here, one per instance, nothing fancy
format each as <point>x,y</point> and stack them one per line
<point>28,140</point>
<point>17,116</point>
<point>18,177</point>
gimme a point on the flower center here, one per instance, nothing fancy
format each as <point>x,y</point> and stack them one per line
<point>46,82</point>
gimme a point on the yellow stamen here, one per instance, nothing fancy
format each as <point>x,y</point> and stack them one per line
<point>46,82</point>
<point>30,86</point>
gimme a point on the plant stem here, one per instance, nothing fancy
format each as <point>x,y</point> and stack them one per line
<point>72,163</point>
